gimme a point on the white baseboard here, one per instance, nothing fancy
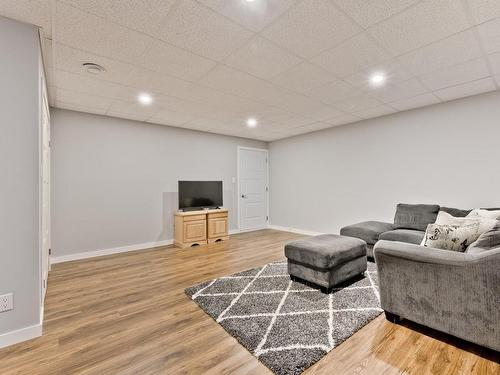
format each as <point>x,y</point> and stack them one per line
<point>294,230</point>
<point>115,250</point>
<point>23,334</point>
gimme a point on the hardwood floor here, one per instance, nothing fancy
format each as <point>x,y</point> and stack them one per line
<point>128,314</point>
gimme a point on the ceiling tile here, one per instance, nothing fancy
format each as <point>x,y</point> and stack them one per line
<point>79,108</point>
<point>83,99</point>
<point>241,84</point>
<point>168,59</point>
<point>85,31</point>
<point>131,110</point>
<point>282,119</point>
<point>307,107</point>
<point>421,24</point>
<point>155,83</point>
<point>359,103</point>
<point>344,119</point>
<point>469,71</point>
<point>451,51</point>
<point>93,86</point>
<point>36,12</point>
<point>378,111</point>
<point>253,15</point>
<point>315,127</point>
<point>47,52</point>
<point>311,27</point>
<point>495,63</point>
<point>304,78</point>
<point>351,56</point>
<point>466,89</point>
<point>334,92</point>
<point>262,58</point>
<point>166,117</point>
<point>368,12</point>
<point>415,102</point>
<point>398,90</point>
<point>484,10</point>
<point>489,33</point>
<point>146,16</point>
<point>199,29</point>
<point>392,70</point>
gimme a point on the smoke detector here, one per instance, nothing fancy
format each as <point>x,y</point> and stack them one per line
<point>93,68</point>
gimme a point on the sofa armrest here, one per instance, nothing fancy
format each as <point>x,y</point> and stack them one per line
<point>457,293</point>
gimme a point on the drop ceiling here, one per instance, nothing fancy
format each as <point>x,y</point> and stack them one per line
<point>295,65</point>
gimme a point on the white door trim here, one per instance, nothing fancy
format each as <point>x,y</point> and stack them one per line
<point>238,180</point>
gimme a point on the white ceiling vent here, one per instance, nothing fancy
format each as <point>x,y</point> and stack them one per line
<point>93,68</point>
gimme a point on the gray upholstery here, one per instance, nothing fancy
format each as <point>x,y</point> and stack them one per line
<point>415,216</point>
<point>486,241</point>
<point>457,212</point>
<point>368,231</point>
<point>326,260</point>
<point>403,235</point>
<point>457,293</point>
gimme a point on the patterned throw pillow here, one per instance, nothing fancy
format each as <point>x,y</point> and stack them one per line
<point>451,237</point>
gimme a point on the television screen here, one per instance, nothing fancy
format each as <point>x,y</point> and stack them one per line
<point>200,194</point>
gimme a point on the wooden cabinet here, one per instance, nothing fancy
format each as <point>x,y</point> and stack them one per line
<point>200,227</point>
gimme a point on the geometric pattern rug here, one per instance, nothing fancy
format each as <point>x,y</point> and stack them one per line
<point>288,325</point>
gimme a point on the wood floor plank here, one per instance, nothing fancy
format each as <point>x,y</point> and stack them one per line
<point>128,314</point>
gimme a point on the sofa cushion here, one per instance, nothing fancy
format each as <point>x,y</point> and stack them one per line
<point>457,212</point>
<point>403,235</point>
<point>415,216</point>
<point>487,241</point>
<point>368,231</point>
<point>325,251</point>
<point>489,214</point>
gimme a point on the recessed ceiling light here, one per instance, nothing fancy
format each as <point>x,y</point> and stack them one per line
<point>377,79</point>
<point>93,68</point>
<point>251,122</point>
<point>250,1</point>
<point>145,98</point>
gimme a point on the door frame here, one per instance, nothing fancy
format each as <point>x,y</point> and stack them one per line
<point>239,149</point>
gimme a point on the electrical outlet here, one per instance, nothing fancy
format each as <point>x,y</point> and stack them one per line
<point>6,302</point>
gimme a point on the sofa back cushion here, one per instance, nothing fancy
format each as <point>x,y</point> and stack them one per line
<point>415,216</point>
<point>487,241</point>
<point>457,212</point>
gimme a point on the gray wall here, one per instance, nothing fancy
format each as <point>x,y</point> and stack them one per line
<point>19,174</point>
<point>114,181</point>
<point>447,154</point>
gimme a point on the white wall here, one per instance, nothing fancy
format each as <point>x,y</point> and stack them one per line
<point>447,154</point>
<point>114,181</point>
<point>19,228</point>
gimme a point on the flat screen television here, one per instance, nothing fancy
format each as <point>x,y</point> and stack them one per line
<point>195,195</point>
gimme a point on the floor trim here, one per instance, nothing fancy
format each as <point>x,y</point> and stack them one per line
<point>115,250</point>
<point>149,245</point>
<point>294,230</point>
<point>19,335</point>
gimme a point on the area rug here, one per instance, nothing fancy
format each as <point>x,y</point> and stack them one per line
<point>288,325</point>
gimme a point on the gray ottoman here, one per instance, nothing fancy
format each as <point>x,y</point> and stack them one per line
<point>326,260</point>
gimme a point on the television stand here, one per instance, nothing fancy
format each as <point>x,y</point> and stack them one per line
<point>200,227</point>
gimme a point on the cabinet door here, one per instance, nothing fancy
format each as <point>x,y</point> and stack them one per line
<point>195,230</point>
<point>217,227</point>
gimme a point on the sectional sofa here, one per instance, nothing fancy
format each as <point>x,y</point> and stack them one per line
<point>453,292</point>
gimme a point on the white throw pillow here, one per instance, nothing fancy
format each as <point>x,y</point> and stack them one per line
<point>450,237</point>
<point>479,212</point>
<point>484,224</point>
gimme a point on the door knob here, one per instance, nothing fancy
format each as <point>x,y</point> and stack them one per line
<point>243,196</point>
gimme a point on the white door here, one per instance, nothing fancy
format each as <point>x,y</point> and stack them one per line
<point>45,191</point>
<point>253,188</point>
